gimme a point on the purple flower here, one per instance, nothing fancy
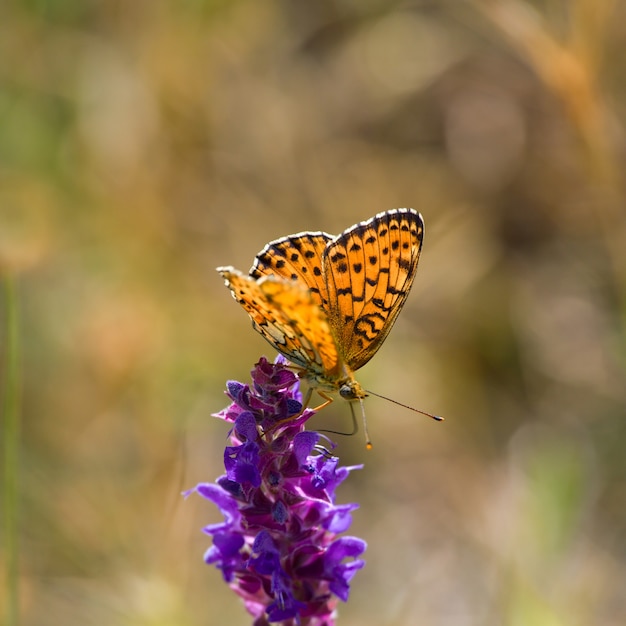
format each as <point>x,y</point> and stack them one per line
<point>278,547</point>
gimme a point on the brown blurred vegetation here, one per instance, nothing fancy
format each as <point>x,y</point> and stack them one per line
<point>145,143</point>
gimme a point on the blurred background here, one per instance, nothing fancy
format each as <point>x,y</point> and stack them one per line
<point>142,144</point>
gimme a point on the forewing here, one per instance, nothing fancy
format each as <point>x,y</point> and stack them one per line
<point>298,258</point>
<point>369,270</point>
<point>285,313</point>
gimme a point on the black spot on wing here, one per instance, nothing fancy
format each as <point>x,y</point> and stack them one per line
<point>295,258</point>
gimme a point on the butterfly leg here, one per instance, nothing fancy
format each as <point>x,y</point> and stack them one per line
<point>305,403</point>
<point>327,400</point>
<point>295,416</point>
<point>301,371</point>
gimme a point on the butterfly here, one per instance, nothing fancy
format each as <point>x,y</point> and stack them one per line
<point>327,302</point>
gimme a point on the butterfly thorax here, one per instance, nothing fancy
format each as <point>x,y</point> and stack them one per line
<point>346,385</point>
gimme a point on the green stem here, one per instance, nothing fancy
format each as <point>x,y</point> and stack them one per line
<point>10,448</point>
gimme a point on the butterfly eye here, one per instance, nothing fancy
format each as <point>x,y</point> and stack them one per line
<point>351,391</point>
<point>345,391</point>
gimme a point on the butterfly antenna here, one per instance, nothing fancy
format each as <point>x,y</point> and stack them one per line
<point>406,406</point>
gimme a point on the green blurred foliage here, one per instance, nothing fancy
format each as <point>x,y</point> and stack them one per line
<point>145,143</point>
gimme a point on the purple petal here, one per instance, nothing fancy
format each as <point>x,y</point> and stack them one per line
<point>303,444</point>
<point>340,518</point>
<point>241,463</point>
<point>235,389</point>
<point>245,425</point>
<point>228,544</point>
<point>345,547</point>
<point>267,560</point>
<point>280,512</point>
<point>285,606</point>
<point>224,502</point>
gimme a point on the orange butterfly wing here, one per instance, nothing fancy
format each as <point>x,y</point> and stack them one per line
<point>369,270</point>
<point>286,315</point>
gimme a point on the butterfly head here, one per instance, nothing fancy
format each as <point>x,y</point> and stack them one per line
<point>351,390</point>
